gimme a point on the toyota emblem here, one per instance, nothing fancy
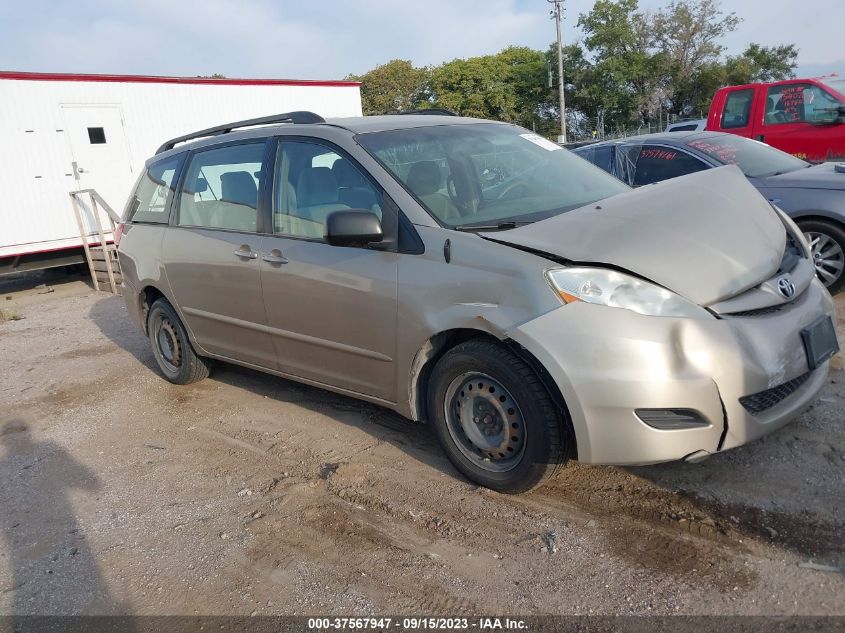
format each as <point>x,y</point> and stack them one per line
<point>786,287</point>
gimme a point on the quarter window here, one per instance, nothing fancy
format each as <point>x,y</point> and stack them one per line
<point>737,109</point>
<point>313,181</point>
<point>151,200</point>
<point>221,188</point>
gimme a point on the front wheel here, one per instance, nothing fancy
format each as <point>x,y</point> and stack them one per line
<point>827,244</point>
<point>172,348</point>
<point>495,419</point>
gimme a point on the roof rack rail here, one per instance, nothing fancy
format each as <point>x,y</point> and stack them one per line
<point>300,116</point>
<point>435,111</point>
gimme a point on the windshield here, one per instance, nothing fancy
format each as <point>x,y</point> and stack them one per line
<point>755,159</point>
<point>837,83</point>
<point>488,174</point>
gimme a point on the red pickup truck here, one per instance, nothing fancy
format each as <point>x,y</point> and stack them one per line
<point>805,117</point>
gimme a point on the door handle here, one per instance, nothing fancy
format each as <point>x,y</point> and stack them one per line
<point>246,253</point>
<point>274,257</point>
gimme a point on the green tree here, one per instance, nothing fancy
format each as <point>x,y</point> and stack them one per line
<point>618,86</point>
<point>508,86</point>
<point>688,36</point>
<point>632,66</point>
<point>394,86</point>
<point>762,63</point>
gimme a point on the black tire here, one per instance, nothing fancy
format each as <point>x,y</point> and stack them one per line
<point>543,439</point>
<point>172,348</point>
<point>827,266</point>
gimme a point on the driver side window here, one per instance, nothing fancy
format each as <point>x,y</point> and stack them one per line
<point>796,103</point>
<point>311,182</point>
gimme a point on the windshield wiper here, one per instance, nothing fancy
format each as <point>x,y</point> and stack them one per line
<point>501,226</point>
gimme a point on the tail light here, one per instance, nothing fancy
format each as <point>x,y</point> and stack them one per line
<point>118,233</point>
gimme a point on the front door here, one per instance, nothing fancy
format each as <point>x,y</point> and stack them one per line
<point>100,157</point>
<point>796,121</point>
<point>332,310</point>
<point>211,253</point>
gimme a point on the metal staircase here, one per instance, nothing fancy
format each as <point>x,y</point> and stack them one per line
<point>100,253</point>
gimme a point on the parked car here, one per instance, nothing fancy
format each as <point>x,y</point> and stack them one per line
<point>474,275</point>
<point>804,117</point>
<point>813,195</point>
<point>687,126</point>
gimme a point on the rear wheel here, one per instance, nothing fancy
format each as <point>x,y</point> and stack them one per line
<point>827,244</point>
<point>495,419</point>
<point>172,348</point>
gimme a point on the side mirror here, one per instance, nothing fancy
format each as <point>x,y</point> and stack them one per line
<point>355,227</point>
<point>831,116</point>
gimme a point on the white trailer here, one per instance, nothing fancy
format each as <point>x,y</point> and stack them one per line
<point>62,133</point>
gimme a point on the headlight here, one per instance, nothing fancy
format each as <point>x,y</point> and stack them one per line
<point>795,232</point>
<point>617,290</point>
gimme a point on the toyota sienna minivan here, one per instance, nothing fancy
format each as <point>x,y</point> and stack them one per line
<point>471,274</point>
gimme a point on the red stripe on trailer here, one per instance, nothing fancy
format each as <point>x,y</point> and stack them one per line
<point>152,79</point>
<point>52,250</point>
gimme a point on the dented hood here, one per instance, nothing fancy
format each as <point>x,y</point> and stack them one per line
<point>706,236</point>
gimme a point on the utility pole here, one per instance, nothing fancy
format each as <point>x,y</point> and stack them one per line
<point>557,14</point>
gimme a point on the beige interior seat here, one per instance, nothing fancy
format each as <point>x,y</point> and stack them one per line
<point>238,201</point>
<point>317,194</point>
<point>425,181</point>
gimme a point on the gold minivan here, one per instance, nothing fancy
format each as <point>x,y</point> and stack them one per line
<point>479,277</point>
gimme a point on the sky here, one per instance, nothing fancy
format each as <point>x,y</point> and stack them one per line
<point>330,39</point>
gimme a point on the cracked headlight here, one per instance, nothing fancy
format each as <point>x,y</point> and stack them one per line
<point>605,287</point>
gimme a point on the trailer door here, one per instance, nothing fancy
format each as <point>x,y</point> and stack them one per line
<point>99,151</point>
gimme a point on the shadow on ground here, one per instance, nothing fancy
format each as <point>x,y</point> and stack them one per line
<point>50,562</point>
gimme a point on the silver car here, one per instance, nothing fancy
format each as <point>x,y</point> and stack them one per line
<point>812,195</point>
<point>471,274</point>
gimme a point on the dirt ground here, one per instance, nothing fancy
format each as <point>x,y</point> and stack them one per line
<point>121,493</point>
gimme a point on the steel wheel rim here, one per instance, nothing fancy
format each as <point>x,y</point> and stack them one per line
<point>828,257</point>
<point>485,422</point>
<point>167,344</point>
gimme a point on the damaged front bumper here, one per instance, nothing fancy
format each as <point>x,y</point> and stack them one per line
<point>743,377</point>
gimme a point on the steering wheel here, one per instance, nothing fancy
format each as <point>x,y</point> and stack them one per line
<point>450,189</point>
<point>453,196</point>
<point>519,187</point>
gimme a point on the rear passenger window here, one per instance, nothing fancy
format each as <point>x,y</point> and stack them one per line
<point>221,188</point>
<point>737,109</point>
<point>151,200</point>
<point>656,164</point>
<point>640,165</point>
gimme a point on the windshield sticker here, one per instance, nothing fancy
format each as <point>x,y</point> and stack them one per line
<point>792,100</point>
<point>539,141</point>
<point>660,154</point>
<point>719,152</point>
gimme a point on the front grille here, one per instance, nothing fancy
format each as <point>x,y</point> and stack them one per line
<point>759,311</point>
<point>764,400</point>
